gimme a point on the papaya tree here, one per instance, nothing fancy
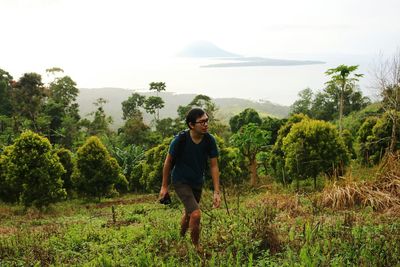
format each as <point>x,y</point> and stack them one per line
<point>343,78</point>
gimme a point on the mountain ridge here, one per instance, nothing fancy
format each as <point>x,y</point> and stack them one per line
<point>228,107</point>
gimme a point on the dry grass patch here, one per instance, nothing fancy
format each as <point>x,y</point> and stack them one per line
<point>382,193</point>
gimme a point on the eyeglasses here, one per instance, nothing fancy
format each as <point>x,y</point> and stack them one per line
<point>202,123</point>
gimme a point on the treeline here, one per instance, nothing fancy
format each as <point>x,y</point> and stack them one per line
<point>49,153</point>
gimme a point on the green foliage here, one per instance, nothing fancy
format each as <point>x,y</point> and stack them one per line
<point>10,189</point>
<point>149,171</point>
<point>66,160</point>
<point>348,140</point>
<point>129,158</point>
<point>135,131</point>
<point>201,101</point>
<point>378,141</point>
<point>312,147</point>
<point>303,104</point>
<point>33,171</point>
<point>157,86</point>
<point>96,171</point>
<point>101,122</point>
<point>229,163</point>
<point>272,125</point>
<point>131,107</point>
<point>29,96</point>
<point>245,117</point>
<point>62,110</point>
<point>277,159</point>
<point>250,140</point>
<point>362,138</point>
<point>64,91</point>
<point>354,120</point>
<point>145,233</point>
<point>5,93</point>
<point>168,127</point>
<point>153,104</point>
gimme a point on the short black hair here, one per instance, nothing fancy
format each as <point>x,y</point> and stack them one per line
<point>193,115</point>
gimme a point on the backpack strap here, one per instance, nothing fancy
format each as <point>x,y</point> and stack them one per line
<point>180,146</point>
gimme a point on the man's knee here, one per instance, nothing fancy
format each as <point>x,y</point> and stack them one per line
<point>195,215</point>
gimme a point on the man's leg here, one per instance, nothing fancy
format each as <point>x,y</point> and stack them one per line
<point>190,198</point>
<point>194,225</point>
<point>184,223</point>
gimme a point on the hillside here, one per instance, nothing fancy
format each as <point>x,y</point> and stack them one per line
<point>227,106</point>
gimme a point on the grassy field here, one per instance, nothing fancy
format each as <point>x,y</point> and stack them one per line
<point>270,226</point>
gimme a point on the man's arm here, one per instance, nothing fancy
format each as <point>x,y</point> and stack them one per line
<point>166,172</point>
<point>215,177</point>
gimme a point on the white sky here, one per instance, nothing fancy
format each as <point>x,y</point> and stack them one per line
<point>101,43</point>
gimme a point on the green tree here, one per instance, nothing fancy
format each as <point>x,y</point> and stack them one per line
<point>131,106</point>
<point>101,122</point>
<point>342,78</point>
<point>272,125</point>
<point>135,131</point>
<point>304,103</point>
<point>6,106</point>
<point>378,143</point>
<point>277,158</point>
<point>96,171</point>
<point>200,101</point>
<point>10,188</point>
<point>324,106</point>
<point>148,173</point>
<point>28,97</point>
<point>250,140</point>
<point>63,110</point>
<point>152,105</point>
<point>36,169</point>
<point>312,147</point>
<point>363,134</point>
<point>168,127</point>
<point>157,86</point>
<point>245,117</point>
<point>64,91</point>
<point>230,164</point>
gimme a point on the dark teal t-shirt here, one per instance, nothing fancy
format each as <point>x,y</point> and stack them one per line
<point>190,165</point>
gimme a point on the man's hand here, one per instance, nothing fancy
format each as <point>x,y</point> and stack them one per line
<point>216,199</point>
<point>163,192</point>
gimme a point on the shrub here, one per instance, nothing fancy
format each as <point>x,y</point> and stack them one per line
<point>96,171</point>
<point>66,160</point>
<point>33,172</point>
<point>312,147</point>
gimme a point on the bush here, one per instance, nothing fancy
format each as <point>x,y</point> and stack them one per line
<point>33,172</point>
<point>66,160</point>
<point>96,172</point>
<point>312,147</point>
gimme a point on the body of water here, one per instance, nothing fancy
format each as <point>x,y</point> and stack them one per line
<point>278,84</point>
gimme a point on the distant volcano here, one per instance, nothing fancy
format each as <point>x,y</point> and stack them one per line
<point>203,49</point>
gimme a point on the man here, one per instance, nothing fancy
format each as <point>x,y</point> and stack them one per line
<point>188,160</point>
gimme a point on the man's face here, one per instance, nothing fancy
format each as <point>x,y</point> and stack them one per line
<point>201,124</point>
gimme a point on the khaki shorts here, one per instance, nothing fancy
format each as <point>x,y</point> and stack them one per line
<point>189,196</point>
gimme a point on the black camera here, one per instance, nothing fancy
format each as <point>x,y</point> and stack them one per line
<point>166,199</point>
